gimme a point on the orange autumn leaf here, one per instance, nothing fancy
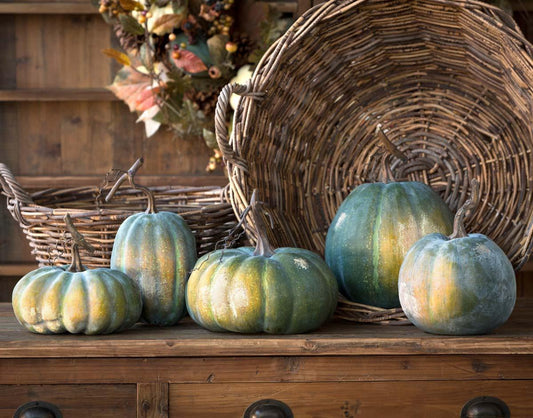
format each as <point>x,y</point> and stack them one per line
<point>134,88</point>
<point>118,56</point>
<point>146,98</point>
<point>189,62</point>
<point>166,23</point>
<point>130,5</point>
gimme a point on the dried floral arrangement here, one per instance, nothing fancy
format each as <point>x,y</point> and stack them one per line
<point>178,54</point>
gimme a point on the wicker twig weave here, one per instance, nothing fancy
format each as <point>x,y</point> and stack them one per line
<point>451,82</point>
<point>41,217</point>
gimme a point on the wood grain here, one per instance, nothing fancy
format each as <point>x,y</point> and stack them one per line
<point>361,399</point>
<point>56,95</point>
<point>275,369</point>
<point>80,401</point>
<point>41,7</point>
<point>152,400</point>
<point>62,51</point>
<point>334,338</point>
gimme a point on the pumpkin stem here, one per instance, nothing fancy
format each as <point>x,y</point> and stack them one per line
<point>386,175</point>
<point>459,230</point>
<point>79,240</point>
<point>263,247</point>
<point>76,265</point>
<point>130,175</point>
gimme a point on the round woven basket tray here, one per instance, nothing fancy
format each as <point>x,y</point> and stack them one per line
<point>41,217</point>
<point>451,83</point>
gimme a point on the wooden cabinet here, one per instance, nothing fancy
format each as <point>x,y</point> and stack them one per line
<point>342,370</point>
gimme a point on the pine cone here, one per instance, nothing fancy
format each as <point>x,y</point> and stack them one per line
<point>128,41</point>
<point>206,100</point>
<point>245,48</point>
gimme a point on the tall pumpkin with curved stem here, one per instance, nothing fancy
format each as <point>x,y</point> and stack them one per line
<point>247,290</point>
<point>158,251</point>
<point>458,285</point>
<point>54,300</point>
<point>374,228</point>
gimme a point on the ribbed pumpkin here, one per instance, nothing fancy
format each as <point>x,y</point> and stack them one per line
<point>458,285</point>
<point>373,229</point>
<point>53,300</point>
<point>246,290</point>
<point>158,251</point>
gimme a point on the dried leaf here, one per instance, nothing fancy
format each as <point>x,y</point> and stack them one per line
<point>189,62</point>
<point>130,5</point>
<point>167,23</point>
<point>118,56</point>
<point>217,48</point>
<point>130,25</point>
<point>134,88</point>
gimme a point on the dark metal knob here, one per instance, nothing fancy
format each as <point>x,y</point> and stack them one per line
<point>268,408</point>
<point>38,409</point>
<point>485,407</point>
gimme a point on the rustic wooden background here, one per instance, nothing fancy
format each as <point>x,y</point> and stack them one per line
<point>59,126</point>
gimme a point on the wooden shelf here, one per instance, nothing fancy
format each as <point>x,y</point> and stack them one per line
<point>48,8</point>
<point>17,270</point>
<point>78,8</point>
<point>54,95</point>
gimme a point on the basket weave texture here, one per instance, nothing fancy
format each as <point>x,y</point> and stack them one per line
<point>451,82</point>
<point>41,217</point>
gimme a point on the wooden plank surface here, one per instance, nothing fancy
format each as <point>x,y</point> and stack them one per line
<point>80,401</point>
<point>335,338</point>
<point>48,7</point>
<point>363,399</point>
<point>56,95</point>
<point>270,369</point>
<point>152,400</point>
<point>63,52</point>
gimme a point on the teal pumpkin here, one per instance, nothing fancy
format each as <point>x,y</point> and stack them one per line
<point>158,251</point>
<point>458,285</point>
<point>372,231</point>
<point>282,291</point>
<point>53,300</point>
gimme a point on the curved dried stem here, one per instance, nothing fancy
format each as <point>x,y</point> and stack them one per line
<point>130,175</point>
<point>79,241</point>
<point>459,230</point>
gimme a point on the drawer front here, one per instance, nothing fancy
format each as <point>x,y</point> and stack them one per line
<point>76,401</point>
<point>408,399</point>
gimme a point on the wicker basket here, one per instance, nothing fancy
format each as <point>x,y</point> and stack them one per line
<point>41,217</point>
<point>451,82</point>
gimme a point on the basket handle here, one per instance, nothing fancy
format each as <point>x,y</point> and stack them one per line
<point>11,187</point>
<point>221,128</point>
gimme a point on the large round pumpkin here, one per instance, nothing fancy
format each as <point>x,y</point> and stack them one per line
<point>158,251</point>
<point>372,231</point>
<point>458,285</point>
<point>53,300</point>
<point>281,291</point>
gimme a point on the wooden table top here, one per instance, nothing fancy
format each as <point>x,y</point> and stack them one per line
<point>337,337</point>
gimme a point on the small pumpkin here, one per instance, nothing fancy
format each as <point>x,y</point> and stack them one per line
<point>373,229</point>
<point>247,290</point>
<point>54,300</point>
<point>158,251</point>
<point>458,285</point>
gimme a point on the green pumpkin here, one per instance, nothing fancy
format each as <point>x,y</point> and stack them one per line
<point>54,300</point>
<point>372,231</point>
<point>158,251</point>
<point>458,285</point>
<point>282,291</point>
